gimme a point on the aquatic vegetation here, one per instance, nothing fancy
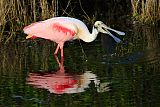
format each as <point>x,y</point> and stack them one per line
<point>146,11</point>
<point>15,14</point>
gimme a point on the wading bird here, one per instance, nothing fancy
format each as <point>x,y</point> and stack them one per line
<point>64,81</point>
<point>62,29</point>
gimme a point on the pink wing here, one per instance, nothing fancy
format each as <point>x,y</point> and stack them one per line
<point>54,31</point>
<point>54,83</point>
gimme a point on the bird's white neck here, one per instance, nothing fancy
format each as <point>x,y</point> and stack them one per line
<point>89,37</point>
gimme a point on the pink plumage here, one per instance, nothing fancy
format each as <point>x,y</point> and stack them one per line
<point>58,29</point>
<point>62,29</point>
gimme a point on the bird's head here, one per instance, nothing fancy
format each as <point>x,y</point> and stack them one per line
<point>101,27</point>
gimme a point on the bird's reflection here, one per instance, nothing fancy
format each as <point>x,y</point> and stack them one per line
<point>61,82</point>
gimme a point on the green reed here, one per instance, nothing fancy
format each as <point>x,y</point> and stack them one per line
<point>15,14</point>
<point>143,38</point>
<point>146,11</point>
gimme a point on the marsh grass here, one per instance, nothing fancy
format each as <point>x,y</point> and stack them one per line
<point>15,14</point>
<point>143,39</point>
<point>146,11</point>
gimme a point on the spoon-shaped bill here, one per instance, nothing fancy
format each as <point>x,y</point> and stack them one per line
<point>116,31</point>
<point>114,37</point>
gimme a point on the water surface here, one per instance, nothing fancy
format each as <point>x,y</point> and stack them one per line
<point>97,74</point>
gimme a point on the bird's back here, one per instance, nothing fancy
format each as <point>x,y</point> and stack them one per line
<point>50,28</point>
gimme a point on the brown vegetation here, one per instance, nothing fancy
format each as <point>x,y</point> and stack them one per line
<point>146,11</point>
<point>15,14</point>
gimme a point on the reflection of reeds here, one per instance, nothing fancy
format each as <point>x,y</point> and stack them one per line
<point>147,11</point>
<point>16,60</point>
<point>144,39</point>
<point>14,56</point>
<point>18,13</point>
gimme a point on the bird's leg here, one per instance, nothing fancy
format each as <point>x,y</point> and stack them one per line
<point>62,56</point>
<point>61,66</point>
<point>61,47</point>
<point>56,51</point>
<point>59,63</point>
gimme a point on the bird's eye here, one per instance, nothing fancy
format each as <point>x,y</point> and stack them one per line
<point>99,24</point>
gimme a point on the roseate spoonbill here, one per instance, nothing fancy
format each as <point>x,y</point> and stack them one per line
<point>66,83</point>
<point>60,82</point>
<point>62,29</point>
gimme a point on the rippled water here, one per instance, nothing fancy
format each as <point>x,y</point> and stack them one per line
<point>99,74</point>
